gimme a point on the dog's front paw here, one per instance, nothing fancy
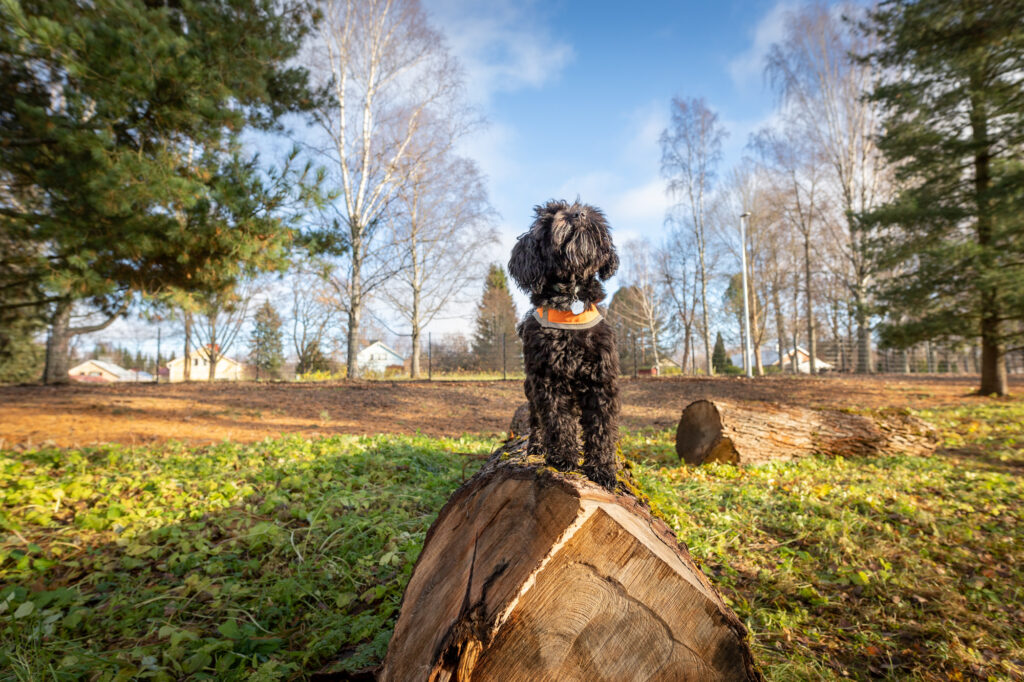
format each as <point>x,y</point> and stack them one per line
<point>604,476</point>
<point>560,462</point>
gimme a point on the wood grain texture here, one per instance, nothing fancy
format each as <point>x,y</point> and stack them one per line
<point>530,574</point>
<point>755,432</point>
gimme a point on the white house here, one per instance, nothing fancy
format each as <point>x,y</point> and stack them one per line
<point>803,362</point>
<point>101,371</point>
<point>377,357</point>
<point>199,359</point>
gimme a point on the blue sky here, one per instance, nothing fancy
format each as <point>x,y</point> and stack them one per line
<point>576,94</point>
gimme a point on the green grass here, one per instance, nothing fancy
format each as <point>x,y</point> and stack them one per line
<point>266,560</point>
<point>214,562</point>
<point>900,568</point>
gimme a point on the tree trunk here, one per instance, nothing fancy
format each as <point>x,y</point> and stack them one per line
<point>753,433</point>
<point>355,312</point>
<point>529,574</point>
<point>58,358</point>
<point>414,362</point>
<point>812,342</point>
<point>187,367</point>
<point>864,364</point>
<point>993,363</point>
<point>756,328</point>
<point>704,297</point>
<point>993,360</point>
<point>780,326</point>
<point>686,346</point>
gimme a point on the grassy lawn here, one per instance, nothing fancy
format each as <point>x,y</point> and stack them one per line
<point>259,561</point>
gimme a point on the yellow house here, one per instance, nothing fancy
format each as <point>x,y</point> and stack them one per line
<point>199,359</point>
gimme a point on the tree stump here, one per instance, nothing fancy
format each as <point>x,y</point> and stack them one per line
<point>750,433</point>
<point>531,574</point>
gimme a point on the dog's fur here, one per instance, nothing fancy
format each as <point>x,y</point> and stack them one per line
<point>571,375</point>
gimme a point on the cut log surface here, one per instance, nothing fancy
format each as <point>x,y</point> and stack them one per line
<point>531,574</point>
<point>751,433</point>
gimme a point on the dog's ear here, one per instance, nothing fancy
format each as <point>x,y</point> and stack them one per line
<point>610,265</point>
<point>525,265</point>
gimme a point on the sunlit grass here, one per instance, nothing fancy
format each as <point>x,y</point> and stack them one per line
<point>892,567</point>
<point>289,556</point>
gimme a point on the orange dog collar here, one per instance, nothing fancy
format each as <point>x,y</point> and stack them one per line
<point>566,319</point>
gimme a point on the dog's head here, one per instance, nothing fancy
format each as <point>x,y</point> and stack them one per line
<point>567,242</point>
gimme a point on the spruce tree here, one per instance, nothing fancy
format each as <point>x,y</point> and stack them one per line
<point>720,360</point>
<point>266,347</point>
<point>496,319</point>
<point>120,123</point>
<point>950,244</point>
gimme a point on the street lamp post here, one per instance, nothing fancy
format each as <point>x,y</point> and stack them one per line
<point>747,354</point>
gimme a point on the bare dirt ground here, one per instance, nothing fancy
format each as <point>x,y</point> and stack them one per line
<point>78,415</point>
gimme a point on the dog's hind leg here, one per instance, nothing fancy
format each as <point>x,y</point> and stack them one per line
<point>599,407</point>
<point>560,426</point>
<point>533,389</point>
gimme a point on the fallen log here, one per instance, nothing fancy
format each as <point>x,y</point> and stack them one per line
<point>754,432</point>
<point>532,574</point>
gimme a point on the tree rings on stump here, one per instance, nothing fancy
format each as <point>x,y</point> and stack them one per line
<point>530,574</point>
<point>699,436</point>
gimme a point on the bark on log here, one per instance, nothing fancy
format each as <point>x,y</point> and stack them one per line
<point>751,433</point>
<point>531,574</point>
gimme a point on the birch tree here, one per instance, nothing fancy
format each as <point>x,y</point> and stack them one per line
<point>745,190</point>
<point>389,72</point>
<point>691,148</point>
<point>646,311</point>
<point>442,228</point>
<point>823,90</point>
<point>678,273</point>
<point>796,170</point>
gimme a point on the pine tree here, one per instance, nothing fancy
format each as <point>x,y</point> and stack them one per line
<point>496,320</point>
<point>267,352</point>
<point>952,239</point>
<point>120,153</point>
<point>720,360</point>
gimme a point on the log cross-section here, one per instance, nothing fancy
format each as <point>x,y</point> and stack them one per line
<point>530,574</point>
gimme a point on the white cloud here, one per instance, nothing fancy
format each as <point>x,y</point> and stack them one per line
<point>647,122</point>
<point>641,208</point>
<point>633,210</point>
<point>747,67</point>
<point>503,45</point>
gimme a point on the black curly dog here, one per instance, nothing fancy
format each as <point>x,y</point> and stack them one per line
<point>572,366</point>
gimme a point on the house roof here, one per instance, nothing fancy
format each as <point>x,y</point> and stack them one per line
<point>109,367</point>
<point>119,372</point>
<point>801,350</point>
<point>383,346</point>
